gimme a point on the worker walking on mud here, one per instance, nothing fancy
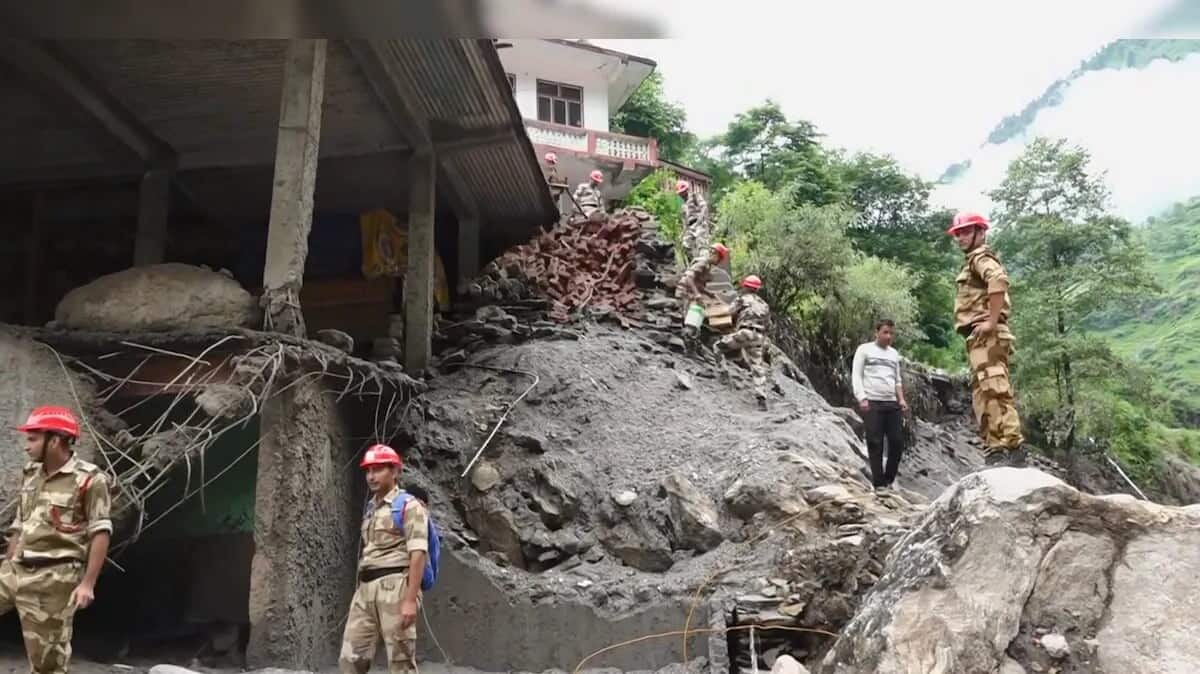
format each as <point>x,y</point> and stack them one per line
<point>879,390</point>
<point>58,540</point>
<point>588,196</point>
<point>696,230</point>
<point>390,571</point>
<point>981,313</point>
<point>692,291</point>
<point>751,316</point>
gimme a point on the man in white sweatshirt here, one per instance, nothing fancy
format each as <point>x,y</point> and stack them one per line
<point>880,394</point>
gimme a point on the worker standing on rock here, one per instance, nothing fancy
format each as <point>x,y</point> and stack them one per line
<point>390,569</point>
<point>57,542</point>
<point>981,314</point>
<point>750,318</point>
<point>696,230</point>
<point>588,196</point>
<point>692,289</point>
<point>879,390</point>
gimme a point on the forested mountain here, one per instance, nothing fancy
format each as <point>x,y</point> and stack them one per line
<point>1133,105</point>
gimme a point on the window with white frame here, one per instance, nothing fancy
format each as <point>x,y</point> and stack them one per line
<point>560,103</point>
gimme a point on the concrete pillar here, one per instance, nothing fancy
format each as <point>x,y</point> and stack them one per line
<point>419,277</point>
<point>295,177</point>
<point>468,251</point>
<point>154,205</point>
<point>307,507</point>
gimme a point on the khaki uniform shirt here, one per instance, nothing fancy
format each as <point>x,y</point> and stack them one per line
<point>695,209</point>
<point>58,514</point>
<point>385,546</point>
<point>751,311</point>
<point>589,198</point>
<point>695,280</point>
<point>981,275</point>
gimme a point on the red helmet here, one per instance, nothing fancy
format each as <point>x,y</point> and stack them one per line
<point>551,158</point>
<point>682,186</point>
<point>753,282</point>
<point>50,419</point>
<point>380,455</point>
<point>596,176</point>
<point>721,251</point>
<point>967,219</point>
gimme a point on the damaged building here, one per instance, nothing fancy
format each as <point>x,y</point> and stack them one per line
<point>228,255</point>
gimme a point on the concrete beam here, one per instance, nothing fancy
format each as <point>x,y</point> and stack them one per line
<point>378,64</point>
<point>295,178</point>
<point>58,76</point>
<point>419,277</point>
<point>468,252</point>
<point>154,205</point>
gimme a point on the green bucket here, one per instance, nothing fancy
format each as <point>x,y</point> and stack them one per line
<point>695,316</point>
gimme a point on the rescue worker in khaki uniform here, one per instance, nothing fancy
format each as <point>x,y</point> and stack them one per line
<point>981,314</point>
<point>692,288</point>
<point>557,183</point>
<point>750,318</point>
<point>588,196</point>
<point>388,595</point>
<point>58,540</point>
<point>696,230</point>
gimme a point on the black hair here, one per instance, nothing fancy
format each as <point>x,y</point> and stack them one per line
<point>884,321</point>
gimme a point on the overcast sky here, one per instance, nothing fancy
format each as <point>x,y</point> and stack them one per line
<point>923,80</point>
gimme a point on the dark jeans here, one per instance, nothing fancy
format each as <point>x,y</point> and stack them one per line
<point>883,421</point>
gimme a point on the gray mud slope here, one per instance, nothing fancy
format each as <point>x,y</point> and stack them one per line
<point>615,416</point>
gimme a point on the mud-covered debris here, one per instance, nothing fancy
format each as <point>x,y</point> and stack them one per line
<point>337,339</point>
<point>485,476</point>
<point>695,522</point>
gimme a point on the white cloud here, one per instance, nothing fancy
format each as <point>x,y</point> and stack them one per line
<point>924,80</point>
<point>1139,125</point>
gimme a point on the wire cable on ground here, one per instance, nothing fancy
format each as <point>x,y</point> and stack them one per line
<point>536,380</point>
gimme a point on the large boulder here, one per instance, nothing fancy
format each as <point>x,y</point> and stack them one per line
<point>158,298</point>
<point>1013,567</point>
<point>694,520</point>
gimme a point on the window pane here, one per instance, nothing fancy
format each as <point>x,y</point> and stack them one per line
<point>546,89</point>
<point>560,112</point>
<point>571,93</point>
<point>575,111</point>
<point>543,109</point>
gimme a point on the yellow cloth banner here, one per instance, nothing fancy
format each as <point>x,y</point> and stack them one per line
<point>385,252</point>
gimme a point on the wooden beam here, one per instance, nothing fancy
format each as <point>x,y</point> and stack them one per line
<point>377,62</point>
<point>57,75</point>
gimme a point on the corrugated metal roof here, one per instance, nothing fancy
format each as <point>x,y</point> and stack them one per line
<point>462,82</point>
<point>216,103</point>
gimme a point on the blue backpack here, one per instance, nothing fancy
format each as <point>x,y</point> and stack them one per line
<point>431,559</point>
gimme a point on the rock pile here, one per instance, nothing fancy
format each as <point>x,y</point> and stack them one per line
<point>579,263</point>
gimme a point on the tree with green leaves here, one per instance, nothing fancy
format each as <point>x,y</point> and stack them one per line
<point>1070,260</point>
<point>648,113</point>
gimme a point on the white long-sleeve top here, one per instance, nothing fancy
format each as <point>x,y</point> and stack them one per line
<point>876,372</point>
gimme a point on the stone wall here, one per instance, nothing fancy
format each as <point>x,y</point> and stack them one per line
<point>305,531</point>
<point>32,377</point>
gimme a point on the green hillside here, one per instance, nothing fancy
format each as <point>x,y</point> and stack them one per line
<point>1163,334</point>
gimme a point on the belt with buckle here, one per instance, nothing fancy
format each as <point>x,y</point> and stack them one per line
<point>368,575</point>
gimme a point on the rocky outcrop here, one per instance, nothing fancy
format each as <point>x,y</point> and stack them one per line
<point>1012,568</point>
<point>158,298</point>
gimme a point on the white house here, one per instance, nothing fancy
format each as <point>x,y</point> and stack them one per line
<point>568,91</point>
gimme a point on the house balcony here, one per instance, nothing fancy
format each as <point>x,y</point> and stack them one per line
<point>597,143</point>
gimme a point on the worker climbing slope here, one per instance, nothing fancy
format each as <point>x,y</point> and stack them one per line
<point>981,314</point>
<point>696,230</point>
<point>751,317</point>
<point>395,540</point>
<point>58,541</point>
<point>692,291</point>
<point>588,196</point>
